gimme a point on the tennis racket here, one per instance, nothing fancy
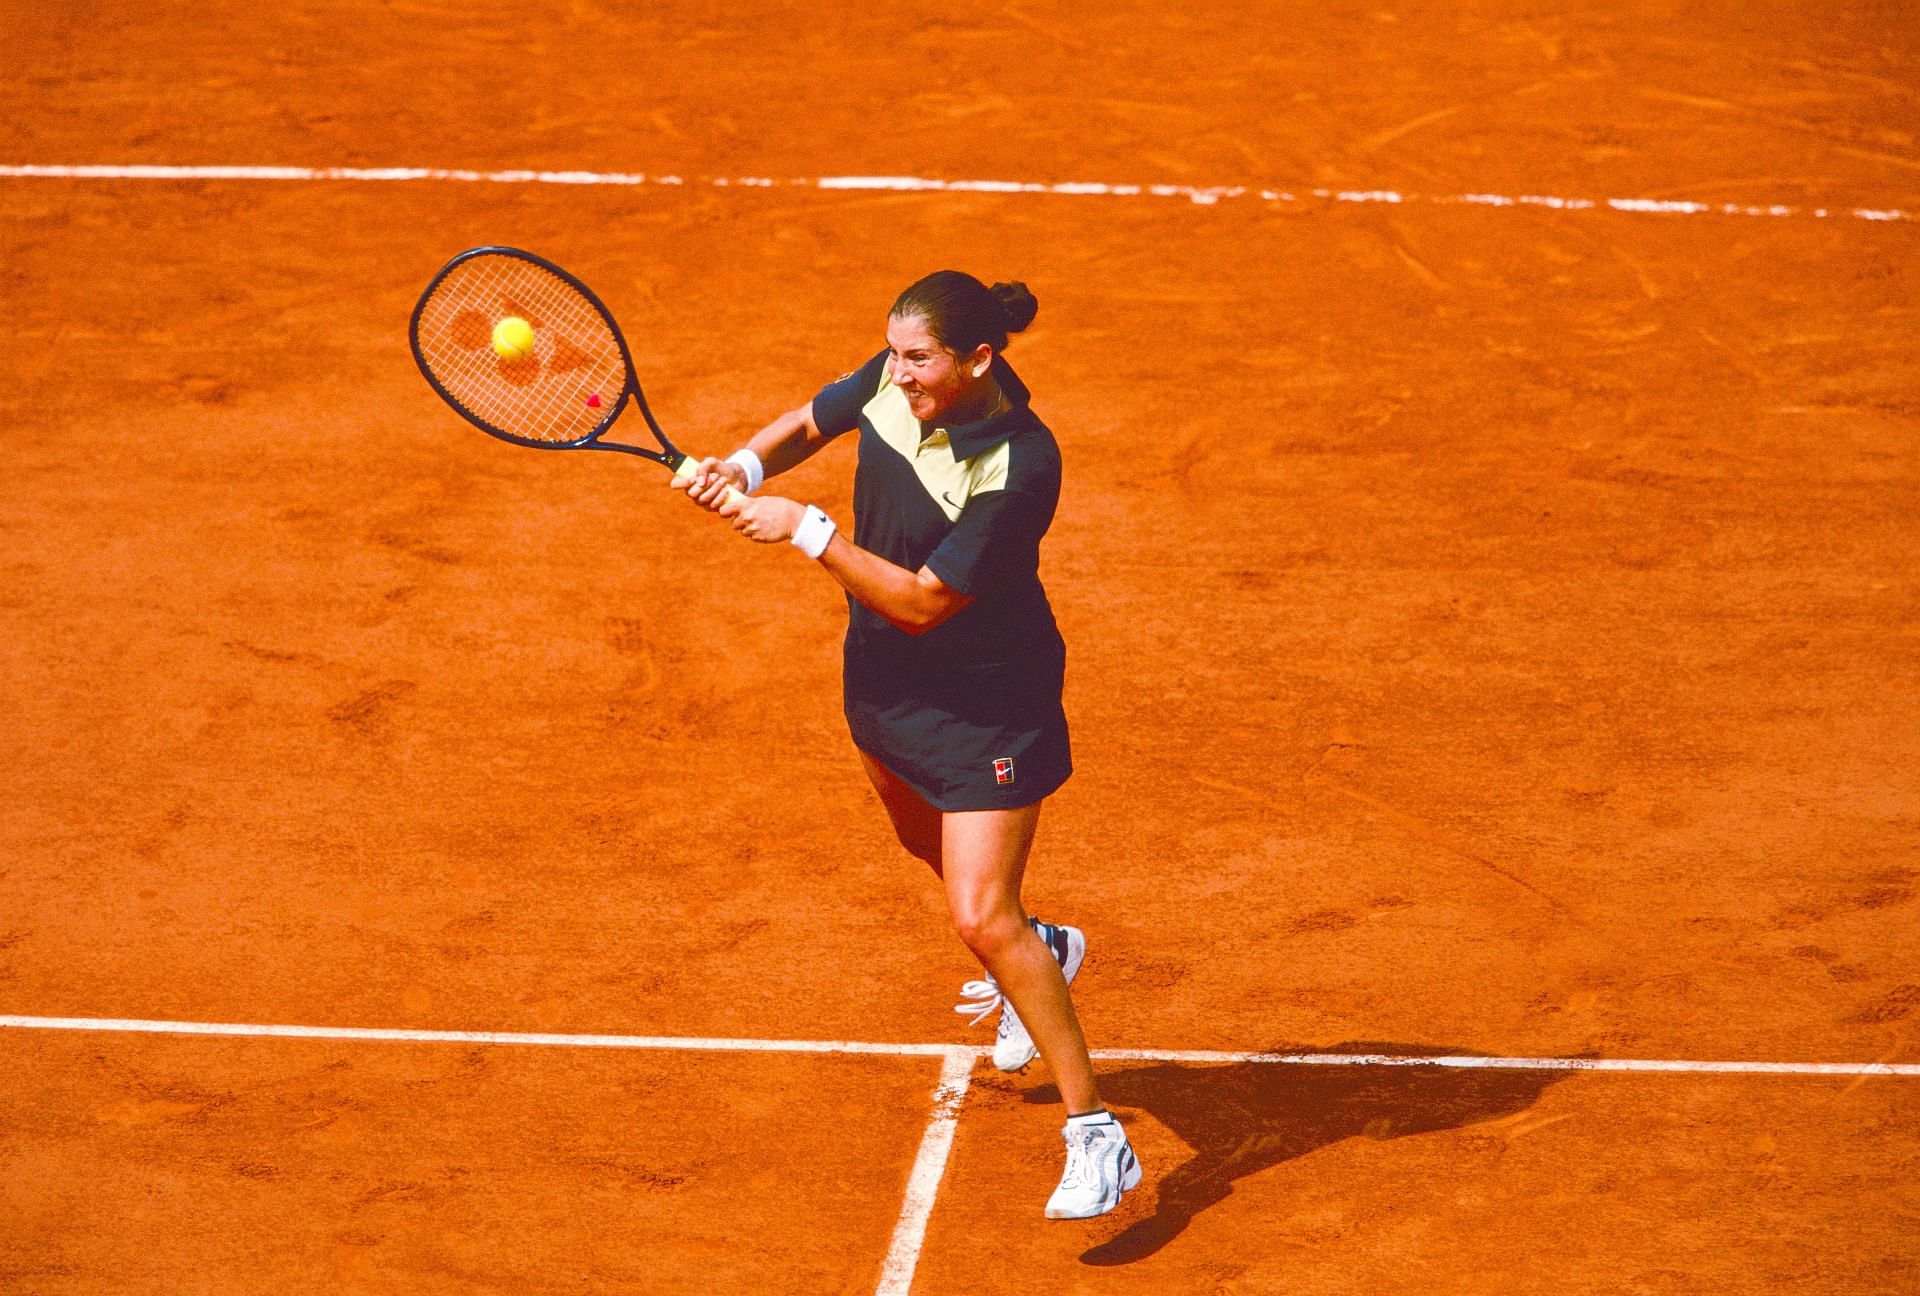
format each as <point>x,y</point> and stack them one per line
<point>566,391</point>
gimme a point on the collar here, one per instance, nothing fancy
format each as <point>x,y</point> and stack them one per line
<point>982,435</point>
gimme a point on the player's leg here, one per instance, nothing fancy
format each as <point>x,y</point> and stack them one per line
<point>985,857</point>
<point>1013,1047</point>
<point>915,823</point>
<point>985,854</point>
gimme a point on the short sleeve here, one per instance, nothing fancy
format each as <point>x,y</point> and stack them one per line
<point>837,408</point>
<point>995,541</point>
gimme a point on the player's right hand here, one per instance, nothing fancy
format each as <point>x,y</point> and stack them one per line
<point>708,485</point>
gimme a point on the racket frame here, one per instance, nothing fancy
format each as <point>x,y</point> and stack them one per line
<point>668,455</point>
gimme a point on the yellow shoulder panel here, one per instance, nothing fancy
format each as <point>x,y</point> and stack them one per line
<point>950,483</point>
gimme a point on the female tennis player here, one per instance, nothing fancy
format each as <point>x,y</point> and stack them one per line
<point>953,661</point>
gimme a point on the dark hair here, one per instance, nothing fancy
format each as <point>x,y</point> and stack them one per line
<point>961,312</point>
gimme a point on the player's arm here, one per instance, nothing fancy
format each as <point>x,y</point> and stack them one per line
<point>912,601</point>
<point>915,602</point>
<point>787,442</point>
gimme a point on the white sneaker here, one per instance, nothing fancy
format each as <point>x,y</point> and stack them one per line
<point>1012,1046</point>
<point>1100,1167</point>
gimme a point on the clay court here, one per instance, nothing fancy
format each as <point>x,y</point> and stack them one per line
<point>1487,562</point>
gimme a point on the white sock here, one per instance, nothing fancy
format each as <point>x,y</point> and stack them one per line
<point>1101,1117</point>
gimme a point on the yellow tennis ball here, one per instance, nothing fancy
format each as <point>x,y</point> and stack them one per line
<point>513,338</point>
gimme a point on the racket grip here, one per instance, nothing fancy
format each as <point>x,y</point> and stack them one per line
<point>688,466</point>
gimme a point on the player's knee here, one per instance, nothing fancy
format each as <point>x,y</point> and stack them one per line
<point>988,932</point>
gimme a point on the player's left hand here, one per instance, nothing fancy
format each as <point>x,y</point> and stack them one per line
<point>711,480</point>
<point>767,519</point>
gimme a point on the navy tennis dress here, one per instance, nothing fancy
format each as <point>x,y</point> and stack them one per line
<point>969,713</point>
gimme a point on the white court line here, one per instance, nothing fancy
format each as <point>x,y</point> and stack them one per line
<point>688,1042</point>
<point>949,1051</point>
<point>903,1253</point>
<point>956,1069</point>
<point>1203,194</point>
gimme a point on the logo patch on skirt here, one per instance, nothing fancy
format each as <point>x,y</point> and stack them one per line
<point>1003,769</point>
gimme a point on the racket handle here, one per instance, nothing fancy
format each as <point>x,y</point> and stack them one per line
<point>688,466</point>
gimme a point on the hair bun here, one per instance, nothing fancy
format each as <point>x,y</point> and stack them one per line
<point>1019,305</point>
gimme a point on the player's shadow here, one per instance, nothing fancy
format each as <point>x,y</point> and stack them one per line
<point>1242,1118</point>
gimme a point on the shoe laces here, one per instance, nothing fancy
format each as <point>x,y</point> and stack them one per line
<point>979,998</point>
<point>1080,1172</point>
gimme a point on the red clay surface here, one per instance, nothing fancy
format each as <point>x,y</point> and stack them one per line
<point>1278,1179</point>
<point>170,1165</point>
<point>1490,630</point>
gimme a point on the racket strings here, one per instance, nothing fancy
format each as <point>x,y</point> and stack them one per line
<point>561,393</point>
<point>520,289</point>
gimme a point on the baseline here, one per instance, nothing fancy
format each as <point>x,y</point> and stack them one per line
<point>950,1052</point>
<point>1205,195</point>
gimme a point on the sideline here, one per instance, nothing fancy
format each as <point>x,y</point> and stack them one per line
<point>903,1253</point>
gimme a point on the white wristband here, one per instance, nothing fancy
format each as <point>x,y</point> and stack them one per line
<point>750,463</point>
<point>815,529</point>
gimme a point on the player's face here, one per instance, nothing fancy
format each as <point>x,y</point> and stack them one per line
<point>932,378</point>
